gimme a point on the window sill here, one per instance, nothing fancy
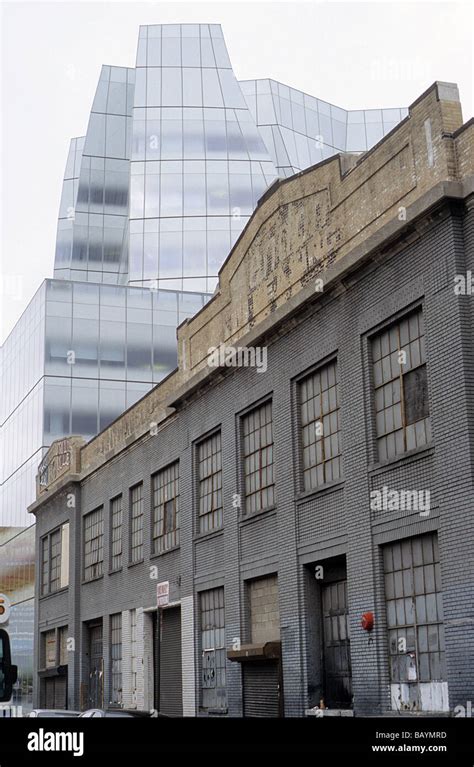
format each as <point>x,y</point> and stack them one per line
<point>138,562</point>
<point>117,570</point>
<point>307,495</point>
<point>209,534</point>
<point>165,551</point>
<point>54,593</point>
<point>252,515</point>
<point>92,580</point>
<point>399,460</point>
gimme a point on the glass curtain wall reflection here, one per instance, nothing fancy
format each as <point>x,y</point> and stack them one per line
<point>199,164</point>
<point>300,130</point>
<point>93,213</point>
<point>79,356</point>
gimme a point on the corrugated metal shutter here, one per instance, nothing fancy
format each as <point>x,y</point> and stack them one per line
<point>60,692</point>
<point>261,689</point>
<point>171,694</point>
<point>48,693</point>
<point>54,692</point>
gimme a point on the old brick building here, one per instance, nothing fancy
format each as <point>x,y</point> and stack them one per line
<point>251,540</point>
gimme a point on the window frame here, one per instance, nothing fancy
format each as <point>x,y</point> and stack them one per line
<point>114,673</point>
<point>394,323</point>
<point>112,513</point>
<point>298,383</point>
<point>100,537</point>
<point>218,510</point>
<point>141,516</point>
<point>216,592</point>
<point>247,413</point>
<point>46,566</point>
<point>160,542</point>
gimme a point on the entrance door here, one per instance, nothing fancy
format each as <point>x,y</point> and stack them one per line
<point>96,667</point>
<point>337,655</point>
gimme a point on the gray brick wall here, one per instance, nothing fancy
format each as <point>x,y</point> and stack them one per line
<point>315,527</point>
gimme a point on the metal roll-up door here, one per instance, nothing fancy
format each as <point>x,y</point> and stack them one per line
<point>171,696</point>
<point>60,692</point>
<point>48,694</point>
<point>54,692</point>
<point>261,688</point>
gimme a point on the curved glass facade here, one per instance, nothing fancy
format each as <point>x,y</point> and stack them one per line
<point>93,213</point>
<point>177,154</point>
<point>198,165</point>
<point>300,130</point>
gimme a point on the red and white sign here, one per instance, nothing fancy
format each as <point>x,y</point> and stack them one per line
<point>162,594</point>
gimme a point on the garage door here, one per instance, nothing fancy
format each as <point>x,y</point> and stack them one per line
<point>261,688</point>
<point>54,693</point>
<point>171,697</point>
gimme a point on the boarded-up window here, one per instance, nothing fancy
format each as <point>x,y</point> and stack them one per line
<point>49,651</point>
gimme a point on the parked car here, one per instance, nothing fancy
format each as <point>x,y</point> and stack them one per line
<point>52,712</point>
<point>123,712</point>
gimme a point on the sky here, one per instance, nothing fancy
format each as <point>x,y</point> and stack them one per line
<point>352,54</point>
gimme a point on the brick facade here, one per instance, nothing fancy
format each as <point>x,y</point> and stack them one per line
<point>381,268</point>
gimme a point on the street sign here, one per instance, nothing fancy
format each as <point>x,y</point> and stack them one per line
<point>162,594</point>
<point>4,608</point>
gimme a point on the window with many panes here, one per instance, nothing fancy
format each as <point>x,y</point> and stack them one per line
<point>320,425</point>
<point>257,432</point>
<point>401,387</point>
<point>213,649</point>
<point>93,544</point>
<point>54,560</point>
<point>44,565</point>
<point>210,483</point>
<point>116,533</point>
<point>136,523</point>
<point>165,497</point>
<point>116,659</point>
<point>55,569</point>
<point>414,610</point>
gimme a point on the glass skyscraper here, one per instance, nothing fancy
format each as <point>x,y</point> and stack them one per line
<point>176,154</point>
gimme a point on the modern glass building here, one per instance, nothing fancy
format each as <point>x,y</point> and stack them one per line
<point>176,154</point>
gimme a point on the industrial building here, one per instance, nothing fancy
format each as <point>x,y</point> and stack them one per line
<point>176,154</point>
<point>260,540</point>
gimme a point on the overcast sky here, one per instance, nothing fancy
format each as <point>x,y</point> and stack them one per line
<point>353,54</point>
